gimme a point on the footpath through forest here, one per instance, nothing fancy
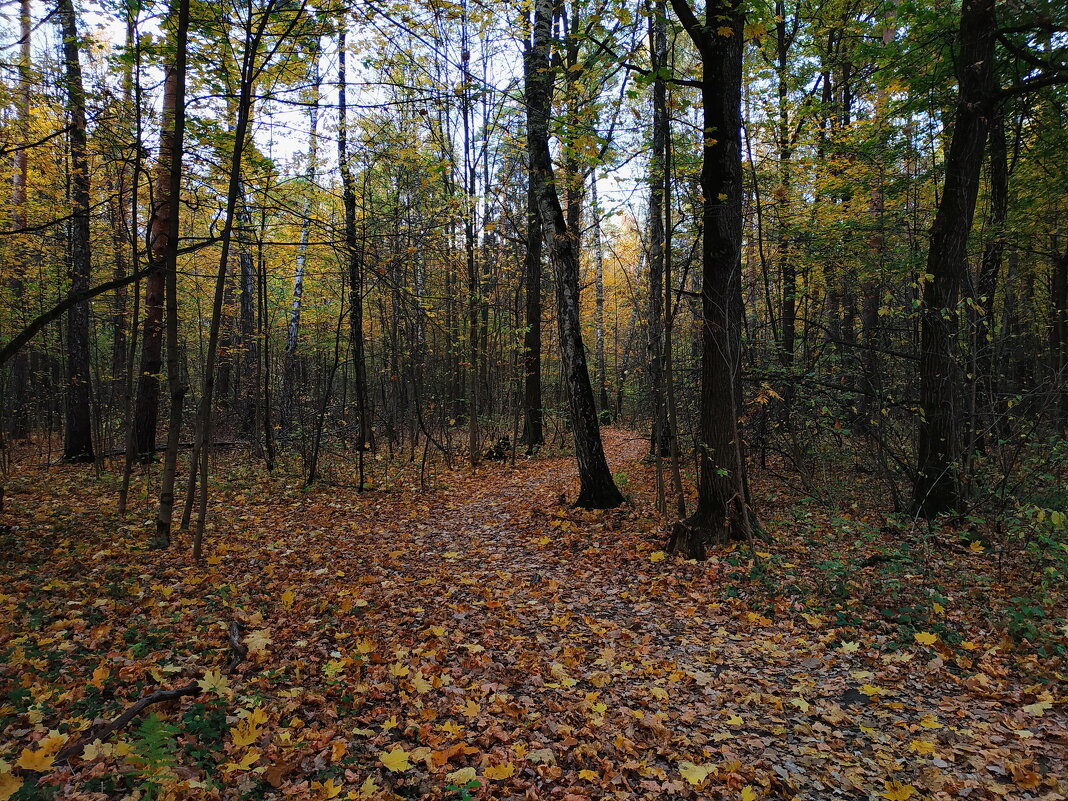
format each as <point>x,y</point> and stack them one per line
<point>481,639</point>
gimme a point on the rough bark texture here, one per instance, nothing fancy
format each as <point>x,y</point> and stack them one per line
<point>597,490</point>
<point>937,489</point>
<point>146,408</point>
<point>78,434</point>
<point>722,512</point>
<point>18,393</point>
<point>533,435</point>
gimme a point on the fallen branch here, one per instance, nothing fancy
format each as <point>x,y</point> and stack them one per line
<point>103,732</point>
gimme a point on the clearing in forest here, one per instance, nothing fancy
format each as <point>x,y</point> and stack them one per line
<point>479,639</point>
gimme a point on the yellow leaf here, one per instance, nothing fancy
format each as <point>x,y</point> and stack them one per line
<point>588,775</point>
<point>399,670</point>
<point>735,720</point>
<point>922,747</point>
<point>35,759</point>
<point>657,556</point>
<point>9,785</point>
<point>97,749</point>
<point>694,774</point>
<point>544,541</point>
<point>247,761</point>
<point>925,638</point>
<point>327,789</point>
<point>100,675</point>
<point>471,709</point>
<point>659,693</point>
<point>871,689</point>
<point>244,733</point>
<point>396,760</point>
<point>214,681</point>
<point>930,722</point>
<point>748,793</point>
<point>938,608</point>
<point>896,791</point>
<point>421,685</point>
<point>725,30</point>
<point>368,789</point>
<point>258,640</point>
<point>1037,709</point>
<point>461,777</point>
<point>497,772</point>
<point>849,647</point>
<point>801,703</point>
<point>977,547</point>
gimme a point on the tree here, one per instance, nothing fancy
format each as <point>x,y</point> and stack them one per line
<point>597,489</point>
<point>938,447</point>
<point>78,434</point>
<point>722,511</point>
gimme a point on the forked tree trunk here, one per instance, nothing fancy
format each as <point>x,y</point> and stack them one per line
<point>597,490</point>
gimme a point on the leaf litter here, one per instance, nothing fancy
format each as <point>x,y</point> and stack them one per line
<point>481,640</point>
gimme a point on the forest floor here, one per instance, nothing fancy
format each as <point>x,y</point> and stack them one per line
<point>480,640</point>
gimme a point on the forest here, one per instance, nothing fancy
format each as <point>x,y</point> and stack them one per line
<point>571,400</point>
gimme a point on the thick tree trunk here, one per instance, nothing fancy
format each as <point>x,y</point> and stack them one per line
<point>937,488</point>
<point>722,511</point>
<point>78,434</point>
<point>1059,331</point>
<point>598,490</point>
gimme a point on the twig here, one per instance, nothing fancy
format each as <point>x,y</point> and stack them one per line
<point>105,731</point>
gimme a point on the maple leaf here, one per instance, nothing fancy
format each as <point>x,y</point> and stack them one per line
<point>9,785</point>
<point>461,777</point>
<point>38,760</point>
<point>247,761</point>
<point>258,640</point>
<point>849,647</point>
<point>925,638</point>
<point>214,681</point>
<point>498,772</point>
<point>97,749</point>
<point>930,722</point>
<point>1038,708</point>
<point>922,747</point>
<point>396,760</point>
<point>977,547</point>
<point>369,788</point>
<point>327,789</point>
<point>244,733</point>
<point>288,599</point>
<point>896,791</point>
<point>657,556</point>
<point>694,774</point>
<point>588,775</point>
<point>748,793</point>
<point>724,30</point>
<point>100,675</point>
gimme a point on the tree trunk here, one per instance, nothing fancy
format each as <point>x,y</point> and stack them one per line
<point>146,405</point>
<point>355,267</point>
<point>722,511</point>
<point>18,422</point>
<point>598,318</point>
<point>937,488</point>
<point>167,249</point>
<point>533,436</point>
<point>598,490</point>
<point>289,370</point>
<point>78,435</point>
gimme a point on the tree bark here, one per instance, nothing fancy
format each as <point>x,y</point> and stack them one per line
<point>937,488</point>
<point>533,435</point>
<point>78,434</point>
<point>597,489</point>
<point>722,511</point>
